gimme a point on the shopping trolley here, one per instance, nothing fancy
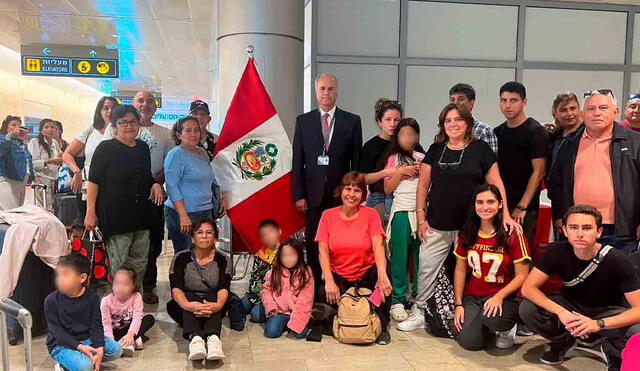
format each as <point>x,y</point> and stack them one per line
<point>10,307</point>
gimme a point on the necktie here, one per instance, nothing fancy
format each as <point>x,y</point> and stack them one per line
<point>325,129</point>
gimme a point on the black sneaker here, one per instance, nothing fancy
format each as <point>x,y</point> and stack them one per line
<point>592,341</point>
<point>150,298</point>
<point>384,338</point>
<point>524,330</point>
<point>555,355</point>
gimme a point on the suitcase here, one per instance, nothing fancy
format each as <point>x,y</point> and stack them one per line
<point>13,309</point>
<point>41,189</point>
<point>65,207</point>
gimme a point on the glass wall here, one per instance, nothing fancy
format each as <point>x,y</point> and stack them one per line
<point>415,50</point>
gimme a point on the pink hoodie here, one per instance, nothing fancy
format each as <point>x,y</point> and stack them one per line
<point>297,304</point>
<point>118,314</point>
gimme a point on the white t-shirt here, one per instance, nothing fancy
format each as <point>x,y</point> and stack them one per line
<point>158,138</point>
<point>91,137</point>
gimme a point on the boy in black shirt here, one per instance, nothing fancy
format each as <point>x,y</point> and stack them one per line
<point>522,151</point>
<point>587,303</point>
<point>76,338</point>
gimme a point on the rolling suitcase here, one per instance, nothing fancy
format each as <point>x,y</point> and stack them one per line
<point>10,307</point>
<point>65,207</point>
<point>40,189</point>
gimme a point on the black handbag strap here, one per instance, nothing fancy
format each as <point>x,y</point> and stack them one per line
<point>199,271</point>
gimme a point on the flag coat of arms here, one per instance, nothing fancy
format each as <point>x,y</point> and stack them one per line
<point>252,162</point>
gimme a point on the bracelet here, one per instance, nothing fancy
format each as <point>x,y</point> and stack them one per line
<point>521,208</point>
<point>457,305</point>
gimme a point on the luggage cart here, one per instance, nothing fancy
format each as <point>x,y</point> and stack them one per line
<point>10,307</point>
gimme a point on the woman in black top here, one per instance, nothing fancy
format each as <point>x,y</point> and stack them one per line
<point>453,168</point>
<point>200,280</point>
<point>120,191</point>
<point>388,113</point>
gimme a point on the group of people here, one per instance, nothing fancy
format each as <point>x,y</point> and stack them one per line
<point>474,193</point>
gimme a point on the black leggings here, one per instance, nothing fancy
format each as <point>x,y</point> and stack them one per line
<point>147,323</point>
<point>196,326</point>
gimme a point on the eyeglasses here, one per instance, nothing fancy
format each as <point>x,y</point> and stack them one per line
<point>599,91</point>
<point>127,122</point>
<point>450,165</point>
<point>634,96</point>
<point>205,233</point>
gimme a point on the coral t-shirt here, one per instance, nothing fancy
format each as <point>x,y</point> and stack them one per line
<point>350,245</point>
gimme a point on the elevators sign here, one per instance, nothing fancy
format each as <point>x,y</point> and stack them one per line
<point>69,60</point>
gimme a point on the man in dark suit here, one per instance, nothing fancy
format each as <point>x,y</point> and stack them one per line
<point>326,146</point>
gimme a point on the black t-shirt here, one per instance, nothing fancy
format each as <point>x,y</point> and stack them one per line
<point>452,189</point>
<point>370,155</point>
<point>606,286</point>
<point>123,175</point>
<point>517,147</point>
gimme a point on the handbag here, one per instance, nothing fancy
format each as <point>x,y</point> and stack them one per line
<point>92,246</point>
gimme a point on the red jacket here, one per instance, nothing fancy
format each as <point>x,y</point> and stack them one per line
<point>291,301</point>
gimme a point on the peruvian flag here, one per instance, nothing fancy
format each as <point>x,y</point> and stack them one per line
<point>252,162</point>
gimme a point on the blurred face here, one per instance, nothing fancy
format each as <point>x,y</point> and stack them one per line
<point>407,138</point>
<point>454,125</point>
<point>68,281</point>
<point>568,114</point>
<point>599,112</point>
<point>203,118</point>
<point>462,99</point>
<point>327,92</point>
<point>146,104</point>
<point>123,286</point>
<point>389,121</point>
<point>56,132</point>
<point>581,230</point>
<point>632,110</point>
<point>205,237</point>
<point>351,196</point>
<point>105,112</point>
<point>487,205</point>
<point>14,128</point>
<point>288,256</point>
<point>511,105</point>
<point>127,127</point>
<point>49,130</point>
<point>190,134</point>
<point>270,235</point>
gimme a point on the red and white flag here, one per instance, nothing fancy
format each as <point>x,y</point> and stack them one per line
<point>252,162</point>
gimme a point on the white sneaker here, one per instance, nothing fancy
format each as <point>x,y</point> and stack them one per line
<point>58,367</point>
<point>506,339</point>
<point>214,348</point>
<point>138,343</point>
<point>127,351</point>
<point>197,351</point>
<point>398,313</point>
<point>414,322</point>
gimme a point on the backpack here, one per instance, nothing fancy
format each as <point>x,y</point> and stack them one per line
<point>439,312</point>
<point>356,321</point>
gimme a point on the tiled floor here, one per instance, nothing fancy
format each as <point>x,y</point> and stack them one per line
<point>250,350</point>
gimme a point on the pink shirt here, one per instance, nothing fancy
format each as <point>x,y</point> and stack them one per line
<point>292,300</point>
<point>117,314</point>
<point>350,245</point>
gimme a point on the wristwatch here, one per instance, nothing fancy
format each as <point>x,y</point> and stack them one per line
<point>521,208</point>
<point>600,323</point>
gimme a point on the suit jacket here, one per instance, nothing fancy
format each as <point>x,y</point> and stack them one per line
<point>344,154</point>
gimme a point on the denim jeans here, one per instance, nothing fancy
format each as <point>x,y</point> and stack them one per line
<point>181,241</point>
<point>377,198</point>
<point>256,310</point>
<point>608,237</point>
<point>276,325</point>
<point>75,360</point>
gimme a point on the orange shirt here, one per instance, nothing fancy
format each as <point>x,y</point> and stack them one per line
<point>593,181</point>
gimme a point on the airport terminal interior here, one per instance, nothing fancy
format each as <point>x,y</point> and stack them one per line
<point>59,57</point>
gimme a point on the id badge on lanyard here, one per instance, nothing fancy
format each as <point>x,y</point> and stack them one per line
<point>323,159</point>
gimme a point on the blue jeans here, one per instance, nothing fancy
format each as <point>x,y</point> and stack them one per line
<point>181,241</point>
<point>608,237</point>
<point>276,325</point>
<point>256,310</point>
<point>75,360</point>
<point>376,198</point>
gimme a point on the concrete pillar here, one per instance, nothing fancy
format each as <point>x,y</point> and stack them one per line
<point>276,30</point>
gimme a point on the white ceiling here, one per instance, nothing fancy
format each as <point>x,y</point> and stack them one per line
<point>165,45</point>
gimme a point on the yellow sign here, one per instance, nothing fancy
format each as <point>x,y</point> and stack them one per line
<point>84,67</point>
<point>102,67</point>
<point>33,64</point>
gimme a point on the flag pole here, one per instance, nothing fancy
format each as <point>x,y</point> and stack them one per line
<point>249,50</point>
